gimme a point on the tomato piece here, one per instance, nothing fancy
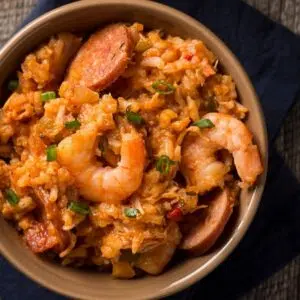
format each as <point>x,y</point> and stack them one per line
<point>175,214</point>
<point>188,57</point>
<point>38,238</point>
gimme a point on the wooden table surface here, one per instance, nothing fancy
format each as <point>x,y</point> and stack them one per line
<point>285,284</point>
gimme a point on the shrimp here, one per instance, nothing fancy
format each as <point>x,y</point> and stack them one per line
<point>98,183</point>
<point>199,163</point>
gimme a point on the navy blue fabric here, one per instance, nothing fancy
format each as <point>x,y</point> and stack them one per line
<point>271,56</point>
<point>44,6</point>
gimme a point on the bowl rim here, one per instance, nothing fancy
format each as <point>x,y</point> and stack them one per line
<point>236,237</point>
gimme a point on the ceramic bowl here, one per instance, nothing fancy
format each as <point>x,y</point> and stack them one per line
<point>86,16</point>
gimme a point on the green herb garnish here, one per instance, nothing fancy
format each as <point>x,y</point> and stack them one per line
<point>131,212</point>
<point>51,153</point>
<point>75,124</point>
<point>13,85</point>
<point>163,87</point>
<point>133,117</point>
<point>163,164</point>
<point>204,123</point>
<point>12,197</point>
<point>79,207</point>
<point>47,96</point>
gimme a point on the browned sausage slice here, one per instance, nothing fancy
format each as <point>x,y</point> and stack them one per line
<point>103,58</point>
<point>38,238</point>
<point>48,233</point>
<point>202,230</point>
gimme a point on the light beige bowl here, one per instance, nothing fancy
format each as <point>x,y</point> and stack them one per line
<point>87,15</point>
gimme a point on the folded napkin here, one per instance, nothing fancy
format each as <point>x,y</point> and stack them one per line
<point>271,56</point>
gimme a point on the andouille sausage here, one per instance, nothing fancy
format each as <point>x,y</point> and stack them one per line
<point>47,233</point>
<point>38,238</point>
<point>103,58</point>
<point>203,229</point>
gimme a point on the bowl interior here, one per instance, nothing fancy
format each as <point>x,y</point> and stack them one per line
<point>85,16</point>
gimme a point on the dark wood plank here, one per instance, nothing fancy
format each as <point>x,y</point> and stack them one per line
<point>275,10</point>
<point>288,14</point>
<point>263,6</point>
<point>297,17</point>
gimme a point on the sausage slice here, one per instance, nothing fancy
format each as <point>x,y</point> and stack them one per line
<point>103,58</point>
<point>48,233</point>
<point>203,228</point>
<point>38,238</point>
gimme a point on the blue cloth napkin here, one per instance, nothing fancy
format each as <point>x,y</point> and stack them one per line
<point>271,57</point>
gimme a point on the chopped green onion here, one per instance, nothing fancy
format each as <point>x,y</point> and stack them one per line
<point>204,123</point>
<point>12,197</point>
<point>133,117</point>
<point>75,124</point>
<point>131,212</point>
<point>163,87</point>
<point>13,85</point>
<point>163,164</point>
<point>79,207</point>
<point>51,153</point>
<point>47,96</point>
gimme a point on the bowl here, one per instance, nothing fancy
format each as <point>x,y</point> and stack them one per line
<point>86,16</point>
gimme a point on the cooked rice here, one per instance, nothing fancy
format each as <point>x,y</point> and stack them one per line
<point>28,127</point>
